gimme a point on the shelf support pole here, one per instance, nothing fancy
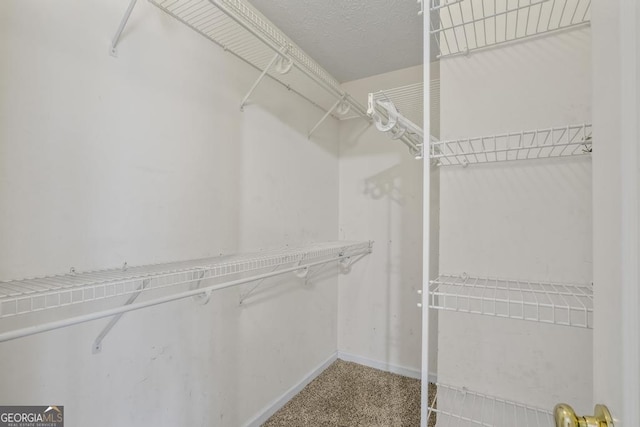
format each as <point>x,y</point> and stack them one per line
<point>257,82</point>
<point>342,99</point>
<point>123,23</point>
<point>97,344</point>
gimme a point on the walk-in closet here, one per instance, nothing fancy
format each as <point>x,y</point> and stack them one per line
<point>299,213</point>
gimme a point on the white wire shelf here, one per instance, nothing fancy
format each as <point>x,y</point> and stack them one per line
<point>242,30</point>
<point>459,407</point>
<point>555,303</point>
<point>179,280</point>
<point>564,141</point>
<point>463,26</point>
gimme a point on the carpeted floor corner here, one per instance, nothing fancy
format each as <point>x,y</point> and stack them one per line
<point>347,394</point>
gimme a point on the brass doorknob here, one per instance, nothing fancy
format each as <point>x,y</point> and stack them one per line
<point>565,416</point>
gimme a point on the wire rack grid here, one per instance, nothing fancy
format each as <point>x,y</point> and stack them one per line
<point>554,303</point>
<point>462,26</point>
<point>36,294</point>
<point>564,141</point>
<point>243,31</point>
<point>459,407</point>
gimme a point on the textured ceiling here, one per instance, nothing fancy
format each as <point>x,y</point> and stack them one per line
<point>351,39</point>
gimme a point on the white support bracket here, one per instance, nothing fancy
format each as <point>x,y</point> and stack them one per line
<point>247,294</point>
<point>204,297</point>
<point>283,66</point>
<point>97,344</point>
<point>123,23</point>
<point>311,274</point>
<point>304,269</point>
<point>344,109</point>
<point>347,263</point>
<point>303,273</point>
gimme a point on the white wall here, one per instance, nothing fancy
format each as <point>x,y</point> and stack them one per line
<point>381,199</point>
<point>147,158</point>
<point>527,220</point>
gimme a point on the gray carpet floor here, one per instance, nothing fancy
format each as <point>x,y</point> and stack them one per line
<point>347,394</point>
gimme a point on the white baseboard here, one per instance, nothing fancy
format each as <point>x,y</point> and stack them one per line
<point>384,366</point>
<point>278,403</point>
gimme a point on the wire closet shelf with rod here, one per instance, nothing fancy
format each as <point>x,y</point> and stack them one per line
<point>40,304</point>
<point>241,30</point>
<point>465,27</point>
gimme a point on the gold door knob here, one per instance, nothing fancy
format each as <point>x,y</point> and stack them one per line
<point>565,416</point>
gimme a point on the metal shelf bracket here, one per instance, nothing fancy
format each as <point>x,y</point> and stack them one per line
<point>340,106</point>
<point>123,23</point>
<point>204,297</point>
<point>346,263</point>
<point>283,66</point>
<point>97,344</point>
<point>247,294</point>
<point>303,273</point>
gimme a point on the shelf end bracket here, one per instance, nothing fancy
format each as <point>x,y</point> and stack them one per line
<point>123,23</point>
